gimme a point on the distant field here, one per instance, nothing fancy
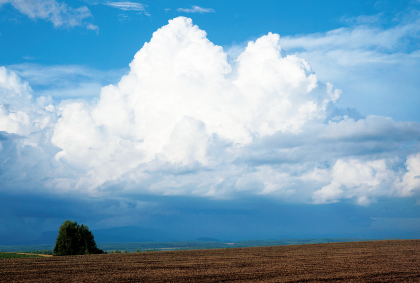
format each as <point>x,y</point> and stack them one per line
<point>15,255</point>
<point>197,245</point>
<point>186,245</point>
<point>375,261</point>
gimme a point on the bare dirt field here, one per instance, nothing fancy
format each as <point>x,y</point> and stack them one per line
<point>378,261</point>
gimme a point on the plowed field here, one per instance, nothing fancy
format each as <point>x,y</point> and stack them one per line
<point>379,261</point>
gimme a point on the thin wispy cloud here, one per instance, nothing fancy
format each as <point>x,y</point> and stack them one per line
<point>196,9</point>
<point>355,58</point>
<point>355,38</point>
<point>361,20</point>
<point>127,6</point>
<point>58,13</point>
<point>63,82</point>
<point>93,27</point>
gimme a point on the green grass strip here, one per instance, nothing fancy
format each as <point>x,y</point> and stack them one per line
<point>15,255</point>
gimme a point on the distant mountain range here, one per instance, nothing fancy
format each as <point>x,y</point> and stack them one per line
<point>130,234</point>
<point>155,237</point>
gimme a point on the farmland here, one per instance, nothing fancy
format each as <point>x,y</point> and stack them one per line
<point>384,261</point>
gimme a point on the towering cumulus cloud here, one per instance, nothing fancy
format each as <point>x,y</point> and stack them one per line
<point>181,95</point>
<point>184,121</point>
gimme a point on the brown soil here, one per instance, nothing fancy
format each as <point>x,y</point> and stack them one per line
<point>379,261</point>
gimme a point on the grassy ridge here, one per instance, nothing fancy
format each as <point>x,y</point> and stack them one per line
<point>21,249</point>
<point>15,255</point>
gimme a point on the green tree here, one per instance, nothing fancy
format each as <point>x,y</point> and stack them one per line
<point>75,239</point>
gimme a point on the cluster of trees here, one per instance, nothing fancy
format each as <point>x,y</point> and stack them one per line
<point>75,239</point>
<point>118,251</point>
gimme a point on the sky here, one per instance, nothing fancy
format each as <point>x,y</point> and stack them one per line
<point>239,120</point>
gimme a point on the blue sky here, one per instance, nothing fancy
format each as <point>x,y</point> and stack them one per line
<point>239,120</point>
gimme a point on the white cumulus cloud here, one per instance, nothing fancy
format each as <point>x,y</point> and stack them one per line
<point>185,121</point>
<point>410,183</point>
<point>18,114</point>
<point>358,179</point>
<point>181,93</point>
